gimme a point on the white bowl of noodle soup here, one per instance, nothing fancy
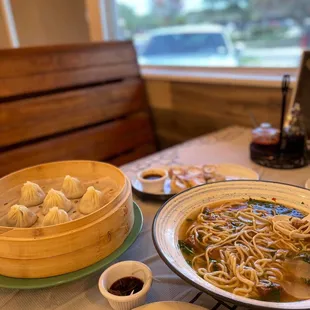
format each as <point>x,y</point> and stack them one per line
<point>174,213</point>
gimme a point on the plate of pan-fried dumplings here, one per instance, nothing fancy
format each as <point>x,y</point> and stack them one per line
<point>72,200</point>
<point>72,211</point>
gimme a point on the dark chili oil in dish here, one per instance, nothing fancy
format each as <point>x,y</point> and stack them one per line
<point>152,176</point>
<point>126,286</point>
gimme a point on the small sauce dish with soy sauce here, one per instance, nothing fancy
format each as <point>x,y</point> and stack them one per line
<point>126,284</point>
<point>153,179</point>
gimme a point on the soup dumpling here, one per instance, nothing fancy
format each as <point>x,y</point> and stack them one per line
<point>72,187</point>
<point>55,216</point>
<point>56,199</point>
<point>21,216</point>
<point>31,194</point>
<point>91,201</point>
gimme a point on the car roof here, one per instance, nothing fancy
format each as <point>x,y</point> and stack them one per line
<point>204,28</point>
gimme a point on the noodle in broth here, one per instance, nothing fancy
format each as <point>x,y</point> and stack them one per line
<point>243,247</point>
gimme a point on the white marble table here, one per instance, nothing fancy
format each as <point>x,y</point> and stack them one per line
<point>226,146</point>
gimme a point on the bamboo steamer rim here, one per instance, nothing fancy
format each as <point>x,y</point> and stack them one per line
<point>19,229</point>
<point>128,193</point>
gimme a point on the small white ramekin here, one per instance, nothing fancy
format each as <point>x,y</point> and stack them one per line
<point>153,186</point>
<point>123,270</point>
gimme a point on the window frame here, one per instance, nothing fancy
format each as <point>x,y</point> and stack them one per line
<point>254,76</point>
<point>9,23</point>
<point>259,77</point>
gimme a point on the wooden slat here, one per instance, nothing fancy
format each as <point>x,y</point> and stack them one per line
<point>73,78</point>
<point>185,110</point>
<point>178,126</point>
<point>135,154</point>
<point>230,103</point>
<point>32,70</point>
<point>43,59</point>
<point>98,143</point>
<point>38,117</point>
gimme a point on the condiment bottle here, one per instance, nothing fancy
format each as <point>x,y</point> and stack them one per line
<point>294,133</point>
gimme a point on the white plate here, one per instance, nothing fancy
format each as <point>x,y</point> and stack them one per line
<point>236,172</point>
<point>230,171</point>
<point>165,191</point>
<point>170,305</point>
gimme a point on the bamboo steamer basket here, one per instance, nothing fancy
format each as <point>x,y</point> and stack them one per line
<point>39,252</point>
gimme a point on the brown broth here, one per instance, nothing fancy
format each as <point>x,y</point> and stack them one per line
<point>190,220</point>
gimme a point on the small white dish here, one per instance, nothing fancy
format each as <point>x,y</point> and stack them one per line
<point>166,190</point>
<point>170,305</point>
<point>123,270</point>
<point>236,172</point>
<point>230,171</point>
<point>153,185</point>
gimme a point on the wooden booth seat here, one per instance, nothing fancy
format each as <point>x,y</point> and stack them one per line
<point>72,102</point>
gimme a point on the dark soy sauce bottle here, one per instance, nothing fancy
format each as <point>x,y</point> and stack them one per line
<point>286,150</point>
<point>293,146</point>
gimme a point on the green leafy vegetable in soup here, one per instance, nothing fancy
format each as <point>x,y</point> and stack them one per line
<point>305,257</point>
<point>187,250</point>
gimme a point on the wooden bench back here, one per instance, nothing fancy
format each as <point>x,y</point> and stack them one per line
<point>72,102</point>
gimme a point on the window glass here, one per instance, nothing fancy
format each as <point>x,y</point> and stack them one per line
<point>179,44</point>
<point>227,33</point>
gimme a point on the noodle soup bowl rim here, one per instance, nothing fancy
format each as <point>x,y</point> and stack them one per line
<point>173,213</point>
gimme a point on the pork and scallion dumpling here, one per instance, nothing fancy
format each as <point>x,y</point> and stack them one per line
<point>91,201</point>
<point>21,216</point>
<point>31,194</point>
<point>72,187</point>
<point>177,185</point>
<point>56,198</point>
<point>55,216</point>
